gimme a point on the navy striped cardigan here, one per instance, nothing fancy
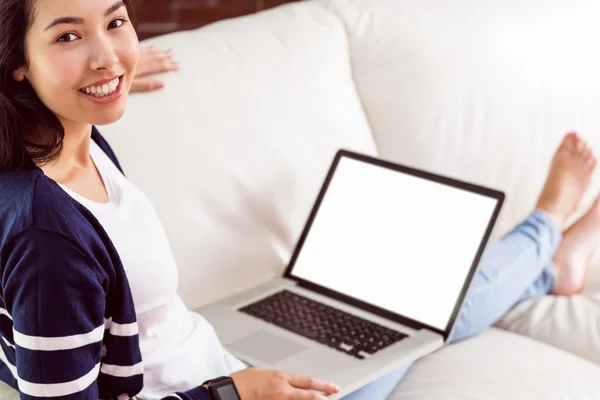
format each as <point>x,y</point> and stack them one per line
<point>68,327</point>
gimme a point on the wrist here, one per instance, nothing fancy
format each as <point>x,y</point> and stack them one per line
<point>198,393</point>
<point>222,388</point>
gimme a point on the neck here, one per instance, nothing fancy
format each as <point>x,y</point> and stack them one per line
<point>75,155</point>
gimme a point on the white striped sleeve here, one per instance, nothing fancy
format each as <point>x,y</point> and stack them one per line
<point>59,389</point>
<point>57,300</point>
<point>122,371</point>
<point>121,329</point>
<point>58,343</point>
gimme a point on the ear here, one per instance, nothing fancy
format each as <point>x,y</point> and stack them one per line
<point>19,74</point>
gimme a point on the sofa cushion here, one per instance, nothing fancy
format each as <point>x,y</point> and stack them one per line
<point>233,151</point>
<point>499,365</point>
<point>8,393</point>
<point>484,91</point>
<point>571,323</point>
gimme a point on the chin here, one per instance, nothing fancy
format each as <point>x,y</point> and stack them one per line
<point>108,117</point>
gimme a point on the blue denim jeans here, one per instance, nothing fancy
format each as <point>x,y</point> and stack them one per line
<point>517,268</point>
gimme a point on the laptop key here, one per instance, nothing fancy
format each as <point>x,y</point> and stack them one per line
<point>362,354</point>
<point>346,347</point>
<point>299,330</point>
<point>344,332</point>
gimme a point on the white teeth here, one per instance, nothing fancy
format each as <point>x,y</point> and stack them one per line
<point>104,90</point>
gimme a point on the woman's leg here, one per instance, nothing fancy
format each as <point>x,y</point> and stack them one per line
<point>573,256</point>
<point>520,266</point>
<point>516,268</point>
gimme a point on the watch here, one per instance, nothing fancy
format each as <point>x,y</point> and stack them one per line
<point>222,388</point>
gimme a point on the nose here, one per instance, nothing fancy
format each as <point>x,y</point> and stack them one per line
<point>103,54</point>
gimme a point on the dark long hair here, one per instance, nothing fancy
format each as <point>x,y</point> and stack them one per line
<point>29,131</point>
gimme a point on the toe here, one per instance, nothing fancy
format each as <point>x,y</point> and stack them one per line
<point>570,139</point>
<point>580,145</point>
<point>591,163</point>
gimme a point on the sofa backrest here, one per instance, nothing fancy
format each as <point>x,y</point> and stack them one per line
<point>479,90</point>
<point>233,151</point>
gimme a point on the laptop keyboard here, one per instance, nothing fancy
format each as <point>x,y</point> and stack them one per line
<point>324,324</point>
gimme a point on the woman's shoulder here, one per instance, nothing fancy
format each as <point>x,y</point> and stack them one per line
<point>17,193</point>
<point>28,199</point>
<point>40,224</point>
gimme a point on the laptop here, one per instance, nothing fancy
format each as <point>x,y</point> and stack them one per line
<point>376,280</point>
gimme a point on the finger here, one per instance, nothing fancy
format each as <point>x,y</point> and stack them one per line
<point>157,66</point>
<point>299,394</point>
<point>146,85</point>
<point>157,54</point>
<point>148,50</point>
<point>153,55</point>
<point>167,65</point>
<point>307,382</point>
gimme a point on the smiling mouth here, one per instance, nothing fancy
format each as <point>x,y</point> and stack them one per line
<point>103,90</point>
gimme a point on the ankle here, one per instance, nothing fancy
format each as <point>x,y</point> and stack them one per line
<point>551,212</point>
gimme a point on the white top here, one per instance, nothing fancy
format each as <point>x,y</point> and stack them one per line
<point>180,349</point>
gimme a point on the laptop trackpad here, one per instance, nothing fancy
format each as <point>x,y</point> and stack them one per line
<point>266,347</point>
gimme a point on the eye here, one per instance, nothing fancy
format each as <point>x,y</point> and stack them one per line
<point>117,23</point>
<point>67,38</point>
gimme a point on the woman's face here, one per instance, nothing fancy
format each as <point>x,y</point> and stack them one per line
<point>82,56</point>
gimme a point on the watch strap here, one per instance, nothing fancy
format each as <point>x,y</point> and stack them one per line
<point>219,379</point>
<point>218,385</point>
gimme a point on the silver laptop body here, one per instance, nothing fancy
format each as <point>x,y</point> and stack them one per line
<point>393,248</point>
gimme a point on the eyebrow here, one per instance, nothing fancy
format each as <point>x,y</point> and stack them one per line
<point>75,20</point>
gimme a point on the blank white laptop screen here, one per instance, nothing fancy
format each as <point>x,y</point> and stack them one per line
<point>396,241</point>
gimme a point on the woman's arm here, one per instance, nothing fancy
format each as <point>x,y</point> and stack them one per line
<point>56,299</point>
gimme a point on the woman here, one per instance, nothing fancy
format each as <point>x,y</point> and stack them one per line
<point>89,283</point>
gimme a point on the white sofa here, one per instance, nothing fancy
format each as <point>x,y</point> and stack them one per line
<point>233,150</point>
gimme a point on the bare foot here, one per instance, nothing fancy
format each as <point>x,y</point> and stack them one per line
<point>569,176</point>
<point>575,251</point>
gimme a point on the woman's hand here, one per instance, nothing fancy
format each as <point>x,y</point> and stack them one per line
<point>258,384</point>
<point>151,62</point>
